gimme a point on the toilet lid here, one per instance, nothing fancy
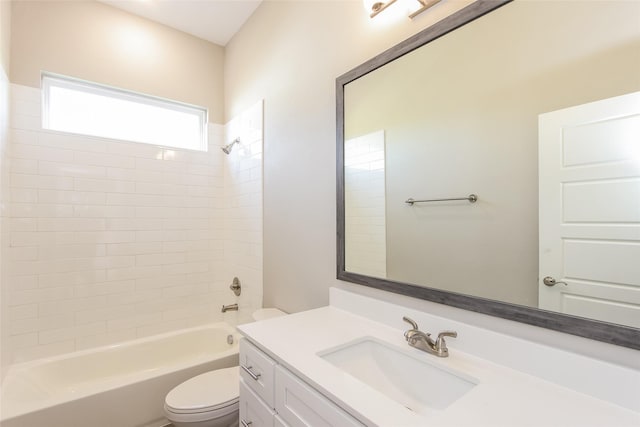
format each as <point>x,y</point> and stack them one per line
<point>206,392</point>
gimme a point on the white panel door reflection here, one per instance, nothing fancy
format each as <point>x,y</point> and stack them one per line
<point>589,175</point>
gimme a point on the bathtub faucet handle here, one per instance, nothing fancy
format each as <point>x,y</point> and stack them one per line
<point>235,286</point>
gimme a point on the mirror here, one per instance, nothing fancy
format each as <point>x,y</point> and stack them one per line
<point>530,118</point>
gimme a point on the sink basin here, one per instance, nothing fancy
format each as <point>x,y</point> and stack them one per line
<point>409,380</point>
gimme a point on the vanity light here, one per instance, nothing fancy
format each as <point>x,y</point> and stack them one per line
<point>374,7</point>
<point>424,5</point>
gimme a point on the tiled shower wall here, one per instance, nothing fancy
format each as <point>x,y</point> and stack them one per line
<point>243,209</point>
<point>109,240</point>
<point>365,204</point>
<point>4,185</point>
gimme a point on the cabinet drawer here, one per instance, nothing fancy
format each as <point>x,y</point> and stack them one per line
<point>253,411</point>
<point>257,371</point>
<point>299,405</point>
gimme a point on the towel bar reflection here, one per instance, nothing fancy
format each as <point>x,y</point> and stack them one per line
<point>472,198</point>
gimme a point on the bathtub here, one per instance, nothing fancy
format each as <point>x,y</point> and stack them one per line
<point>122,385</point>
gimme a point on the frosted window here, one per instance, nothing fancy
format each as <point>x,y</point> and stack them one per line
<point>90,109</point>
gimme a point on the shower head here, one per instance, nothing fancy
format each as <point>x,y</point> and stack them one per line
<point>227,148</point>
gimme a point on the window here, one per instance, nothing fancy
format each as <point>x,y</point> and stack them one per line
<point>91,109</point>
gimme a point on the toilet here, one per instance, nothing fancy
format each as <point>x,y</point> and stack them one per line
<point>210,399</point>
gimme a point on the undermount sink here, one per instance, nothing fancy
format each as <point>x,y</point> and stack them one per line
<point>410,381</point>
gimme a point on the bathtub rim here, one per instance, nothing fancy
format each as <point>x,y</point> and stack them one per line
<point>113,383</point>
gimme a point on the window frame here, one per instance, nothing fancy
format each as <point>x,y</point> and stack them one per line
<point>49,80</point>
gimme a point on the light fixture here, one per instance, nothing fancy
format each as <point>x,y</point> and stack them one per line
<point>424,5</point>
<point>374,7</point>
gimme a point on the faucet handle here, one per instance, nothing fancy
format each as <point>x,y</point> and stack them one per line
<point>413,324</point>
<point>440,342</point>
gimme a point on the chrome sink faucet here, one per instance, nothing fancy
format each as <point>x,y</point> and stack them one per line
<point>423,341</point>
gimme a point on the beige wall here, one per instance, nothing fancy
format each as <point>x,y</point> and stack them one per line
<point>289,53</point>
<point>95,42</point>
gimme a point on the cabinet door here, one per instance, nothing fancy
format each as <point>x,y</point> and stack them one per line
<point>257,369</point>
<point>299,405</point>
<point>253,411</point>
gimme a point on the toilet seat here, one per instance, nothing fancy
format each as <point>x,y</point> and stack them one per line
<point>209,395</point>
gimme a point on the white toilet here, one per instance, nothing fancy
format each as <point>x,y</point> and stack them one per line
<point>210,399</point>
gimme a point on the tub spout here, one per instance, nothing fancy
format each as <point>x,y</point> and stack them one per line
<point>230,307</point>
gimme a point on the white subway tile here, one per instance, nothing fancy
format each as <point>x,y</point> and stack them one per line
<point>40,351</point>
<point>134,175</point>
<point>19,312</point>
<point>50,308</point>
<point>20,136</point>
<point>197,256</point>
<point>135,200</point>
<point>23,340</point>
<point>22,253</point>
<point>104,185</point>
<point>137,224</point>
<point>37,152</point>
<point>67,141</point>
<point>41,182</point>
<point>146,284</point>
<point>70,278</point>
<point>103,211</point>
<point>71,251</point>
<point>25,122</point>
<point>22,210</point>
<point>185,268</point>
<point>106,313</point>
<point>43,323</point>
<point>105,288</point>
<point>23,195</point>
<point>21,283</point>
<point>133,272</point>
<point>160,259</point>
<point>134,149</point>
<point>71,169</point>
<point>24,166</point>
<point>150,236</point>
<point>103,159</point>
<point>71,197</point>
<point>133,321</point>
<point>135,248</point>
<point>149,164</point>
<point>71,224</point>
<point>104,237</point>
<point>64,334</point>
<point>24,238</point>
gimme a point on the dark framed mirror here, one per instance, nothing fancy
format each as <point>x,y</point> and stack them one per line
<point>462,172</point>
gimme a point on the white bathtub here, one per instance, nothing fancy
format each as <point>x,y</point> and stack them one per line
<point>122,385</point>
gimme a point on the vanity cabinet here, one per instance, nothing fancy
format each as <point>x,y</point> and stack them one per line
<point>271,395</point>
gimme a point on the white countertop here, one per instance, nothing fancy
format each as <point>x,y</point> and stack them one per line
<point>503,396</point>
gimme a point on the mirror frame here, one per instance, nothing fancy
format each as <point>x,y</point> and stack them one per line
<point>616,334</point>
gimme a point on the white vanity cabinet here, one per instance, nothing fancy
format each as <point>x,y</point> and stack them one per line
<point>270,395</point>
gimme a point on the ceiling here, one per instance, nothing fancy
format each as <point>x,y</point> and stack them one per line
<point>213,20</point>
